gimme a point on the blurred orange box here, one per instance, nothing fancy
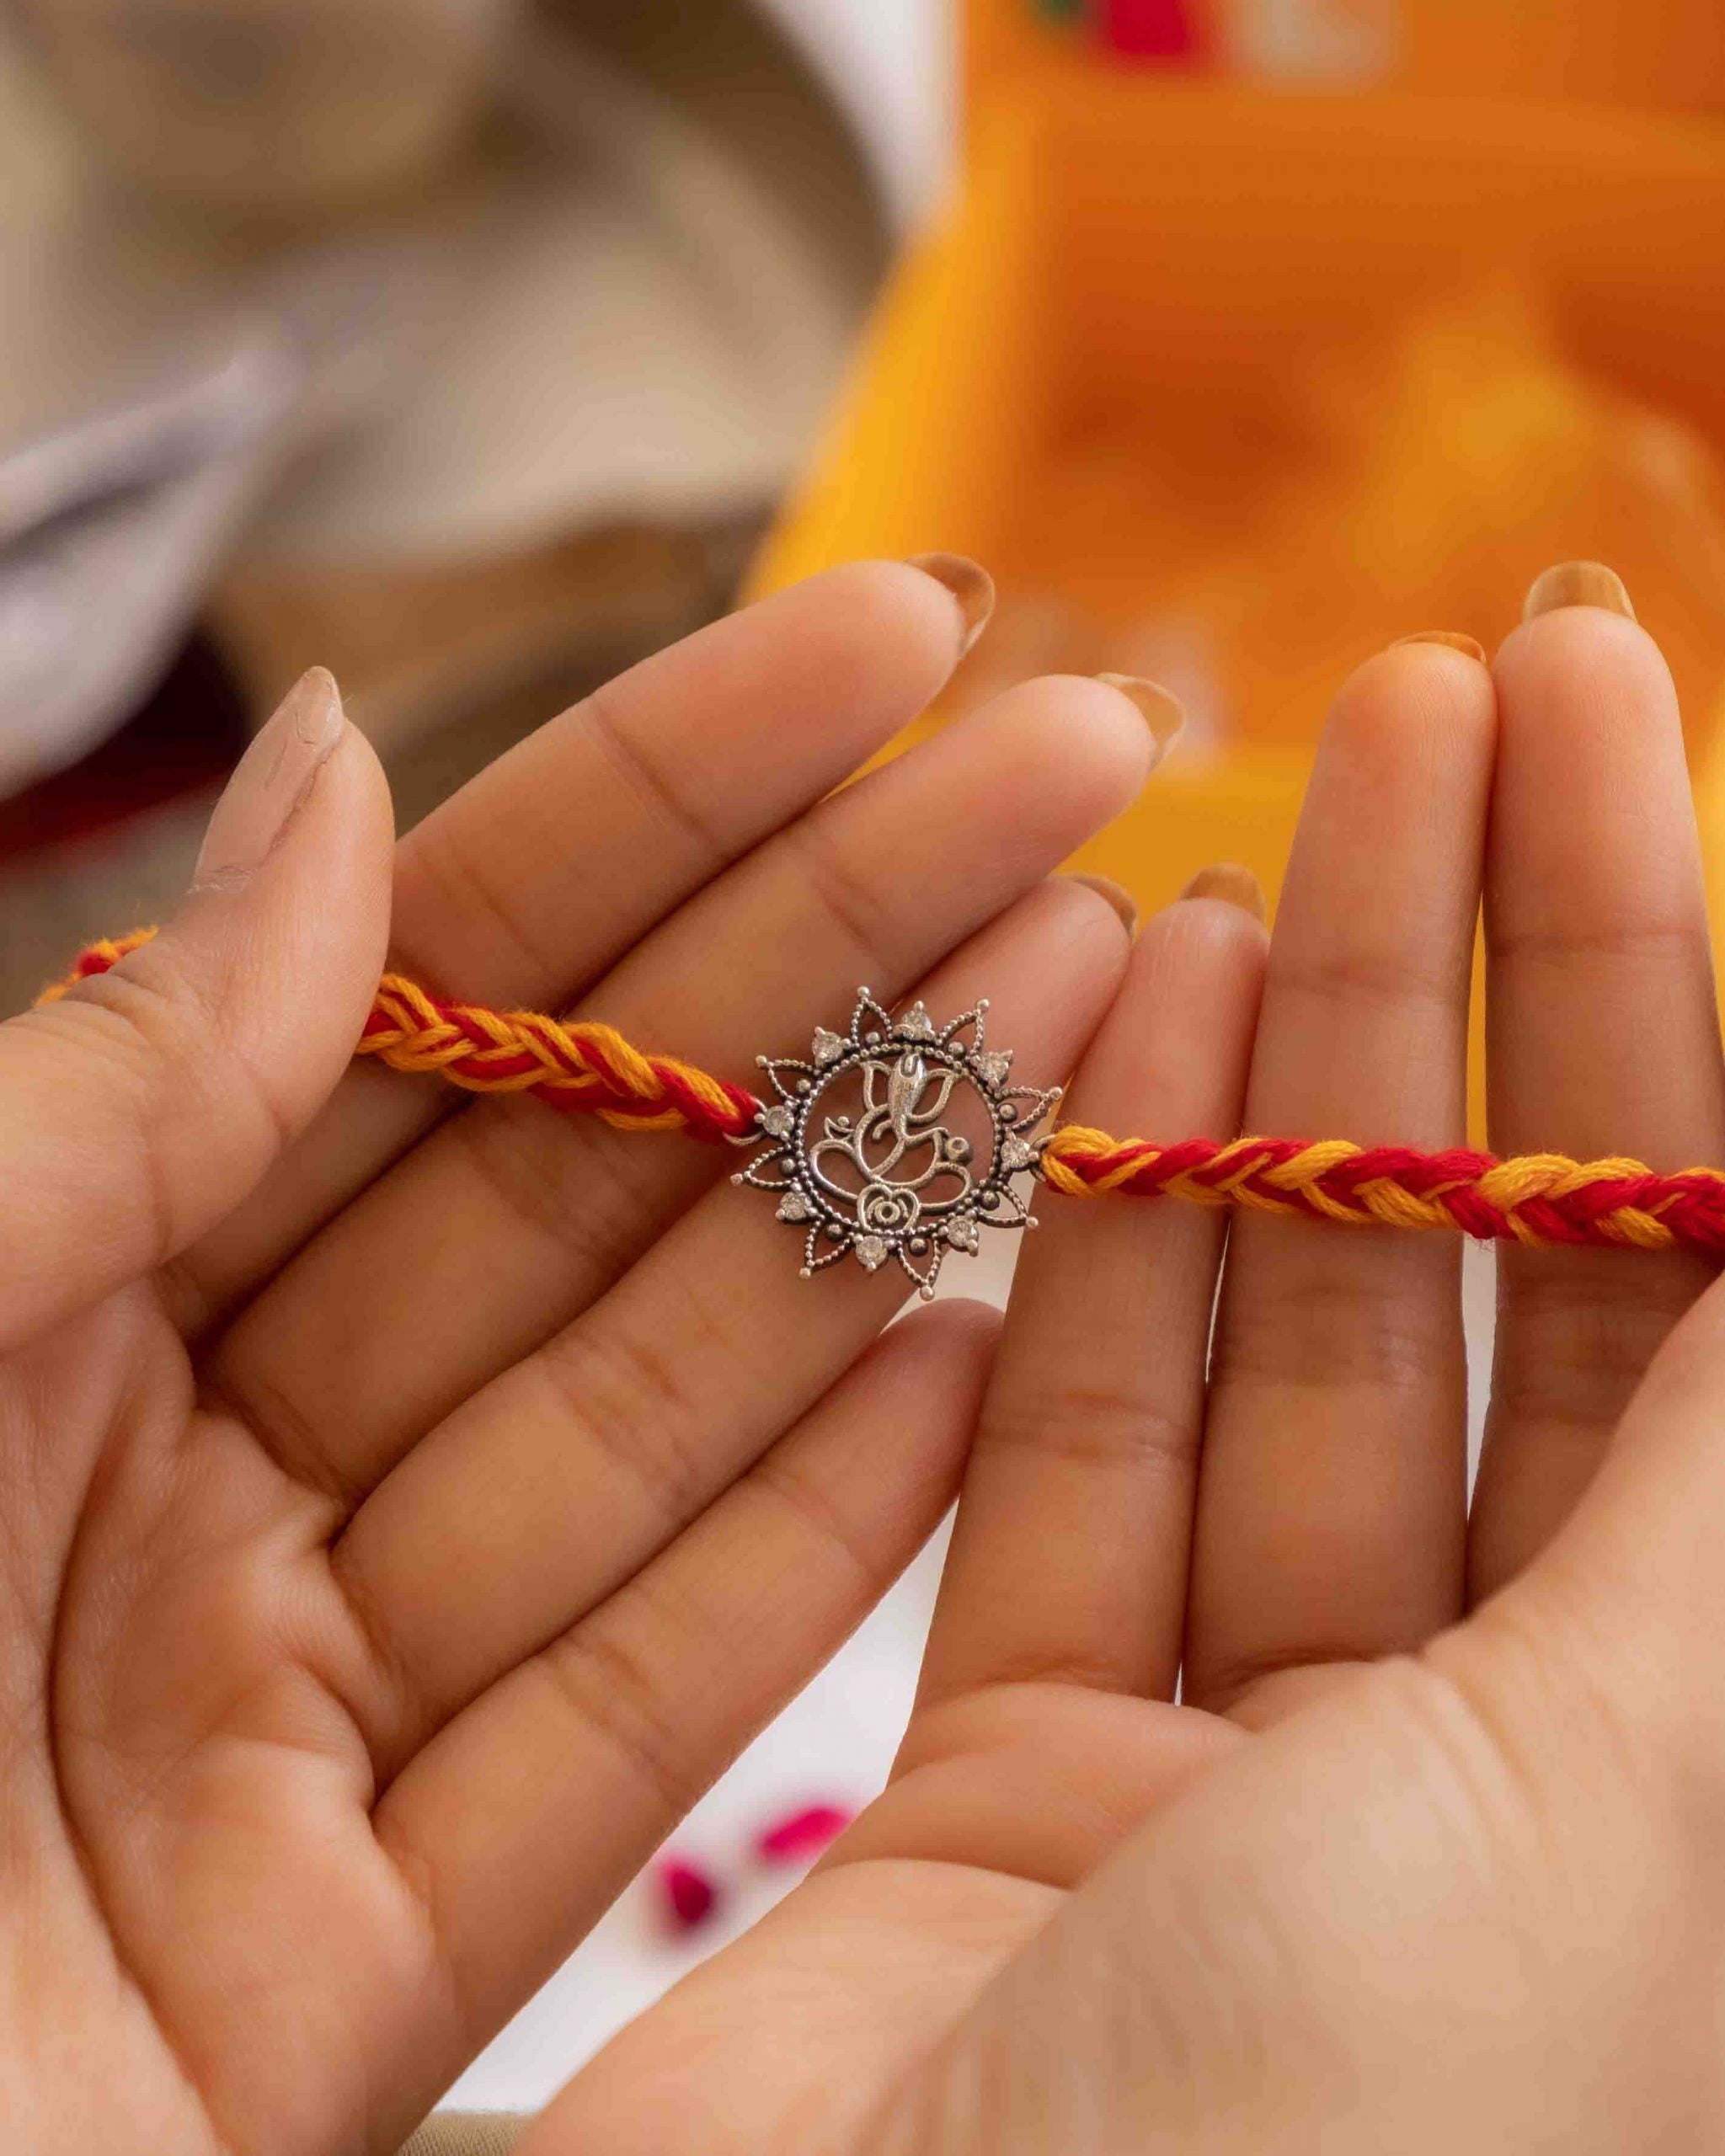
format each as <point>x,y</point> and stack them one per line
<point>1230,381</point>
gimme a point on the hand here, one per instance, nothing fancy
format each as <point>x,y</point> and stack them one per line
<point>407,1512</point>
<point>1428,1858</point>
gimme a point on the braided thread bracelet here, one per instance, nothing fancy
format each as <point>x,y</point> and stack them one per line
<point>891,1180</point>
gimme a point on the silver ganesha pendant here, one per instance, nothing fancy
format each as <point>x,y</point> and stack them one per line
<point>862,1151</point>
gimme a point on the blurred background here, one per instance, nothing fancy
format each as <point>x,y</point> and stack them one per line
<point>475,348</point>
<point>467,344</point>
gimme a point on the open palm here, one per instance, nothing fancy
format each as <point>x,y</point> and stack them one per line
<point>1392,1875</point>
<point>407,1512</point>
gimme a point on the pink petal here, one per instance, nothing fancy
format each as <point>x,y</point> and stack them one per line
<point>802,1834</point>
<point>687,1895</point>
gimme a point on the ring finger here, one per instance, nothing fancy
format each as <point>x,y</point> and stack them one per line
<point>1069,1557</point>
<point>542,872</point>
<point>572,1469</point>
<point>509,1221</point>
<point>1331,1510</point>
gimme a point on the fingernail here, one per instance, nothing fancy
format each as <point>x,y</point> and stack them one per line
<point>269,781</point>
<point>1232,881</point>
<point>1578,584</point>
<point>1163,712</point>
<point>971,586</point>
<point>1117,895</point>
<point>1456,639</point>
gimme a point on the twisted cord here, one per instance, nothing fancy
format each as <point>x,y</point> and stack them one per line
<point>96,959</point>
<point>1540,1200</point>
<point>581,1069</point>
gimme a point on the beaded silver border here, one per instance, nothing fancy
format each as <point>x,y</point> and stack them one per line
<point>833,1217</point>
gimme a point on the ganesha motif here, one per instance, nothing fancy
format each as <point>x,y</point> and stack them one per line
<point>861,1149</point>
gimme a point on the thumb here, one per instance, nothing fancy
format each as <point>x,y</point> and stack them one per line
<point>1634,1580</point>
<point>141,1106</point>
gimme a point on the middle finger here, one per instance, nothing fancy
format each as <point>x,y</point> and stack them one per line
<point>1605,1037</point>
<point>508,1221</point>
<point>570,1470</point>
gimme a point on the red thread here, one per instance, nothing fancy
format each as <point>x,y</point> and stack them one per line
<point>1689,1205</point>
<point>582,1068</point>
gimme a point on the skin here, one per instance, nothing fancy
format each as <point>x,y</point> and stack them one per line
<point>1427,1857</point>
<point>408,1510</point>
<point>351,1661</point>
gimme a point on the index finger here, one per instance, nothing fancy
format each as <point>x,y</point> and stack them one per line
<point>524,887</point>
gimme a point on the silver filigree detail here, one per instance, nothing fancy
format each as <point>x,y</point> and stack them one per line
<point>892,1181</point>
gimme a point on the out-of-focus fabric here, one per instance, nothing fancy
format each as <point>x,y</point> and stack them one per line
<point>467,2133</point>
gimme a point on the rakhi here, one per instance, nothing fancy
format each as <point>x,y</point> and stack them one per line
<point>857,1143</point>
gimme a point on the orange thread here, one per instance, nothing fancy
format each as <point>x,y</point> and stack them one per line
<point>583,1069</point>
<point>1542,1200</point>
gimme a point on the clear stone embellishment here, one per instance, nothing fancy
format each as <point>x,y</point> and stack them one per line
<point>829,1047</point>
<point>793,1206</point>
<point>871,1253</point>
<point>917,1023</point>
<point>777,1122</point>
<point>995,1065</point>
<point>1015,1154</point>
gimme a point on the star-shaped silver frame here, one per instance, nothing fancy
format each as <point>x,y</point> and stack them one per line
<point>887,1220</point>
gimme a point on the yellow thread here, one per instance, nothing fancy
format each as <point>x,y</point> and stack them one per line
<point>490,1051</point>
